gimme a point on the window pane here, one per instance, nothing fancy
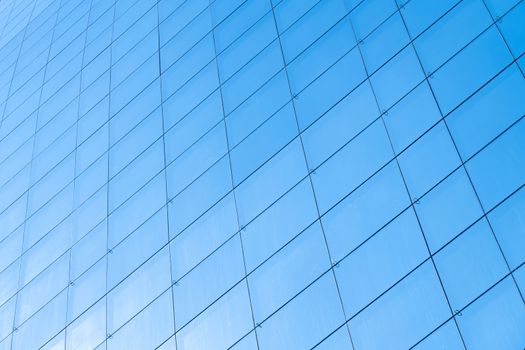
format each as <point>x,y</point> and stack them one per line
<point>428,160</point>
<point>270,182</point>
<point>448,209</point>
<point>411,117</point>
<point>292,268</point>
<point>221,325</point>
<point>507,221</point>
<point>470,264</point>
<point>150,328</point>
<point>278,224</point>
<point>474,123</point>
<point>380,262</point>
<point>365,211</point>
<point>444,338</point>
<point>340,124</point>
<point>139,289</point>
<point>340,175</point>
<point>398,319</point>
<point>512,29</point>
<point>495,320</point>
<point>451,33</point>
<point>396,78</point>
<point>208,281</point>
<point>500,168</point>
<point>305,320</point>
<point>469,69</point>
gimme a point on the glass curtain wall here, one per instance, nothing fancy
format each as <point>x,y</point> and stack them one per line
<point>262,174</point>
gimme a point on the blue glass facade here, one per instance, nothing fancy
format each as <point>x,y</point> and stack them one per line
<point>262,174</point>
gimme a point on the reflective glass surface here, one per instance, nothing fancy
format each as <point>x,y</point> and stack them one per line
<point>262,174</point>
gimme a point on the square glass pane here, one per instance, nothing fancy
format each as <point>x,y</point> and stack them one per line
<point>428,160</point>
<point>470,264</point>
<point>448,209</point>
<point>495,320</point>
<point>410,310</point>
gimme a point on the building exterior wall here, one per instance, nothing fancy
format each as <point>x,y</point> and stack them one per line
<point>262,174</point>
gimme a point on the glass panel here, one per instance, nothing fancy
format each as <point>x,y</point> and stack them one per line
<point>264,103</point>
<point>202,194</point>
<point>132,214</point>
<point>7,315</point>
<point>137,247</point>
<point>411,117</point>
<point>398,319</point>
<point>204,284</point>
<point>86,290</point>
<point>499,7</point>
<point>396,78</point>
<point>203,236</point>
<point>136,111</point>
<point>135,142</point>
<point>340,340</point>
<point>247,343</point>
<point>185,133</point>
<point>384,42</point>
<point>189,65</point>
<point>305,320</point>
<point>185,39</point>
<point>221,325</point>
<point>332,86</point>
<point>323,53</point>
<point>448,209</point>
<point>419,14</point>
<point>138,290</point>
<point>351,166</point>
<point>369,14</point>
<point>88,250</point>
<point>474,123</point>
<point>47,250</point>
<point>495,320</point>
<point>182,101</point>
<point>469,69</point>
<point>57,343</point>
<point>310,26</point>
<point>287,12</point>
<point>248,79</point>
<point>270,182</point>
<point>428,160</point>
<point>470,264</point>
<point>179,18</point>
<point>148,329</point>
<point>340,124</point>
<point>274,227</point>
<point>40,328</point>
<point>196,160</point>
<point>136,175</point>
<point>519,276</point>
<point>88,330</point>
<point>263,143</point>
<point>380,262</point>
<point>451,33</point>
<point>11,248</point>
<point>445,337</point>
<point>500,168</point>
<point>508,222</point>
<point>42,289</point>
<point>292,269</point>
<point>250,44</point>
<point>240,20</point>
<point>512,29</point>
<point>365,211</point>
